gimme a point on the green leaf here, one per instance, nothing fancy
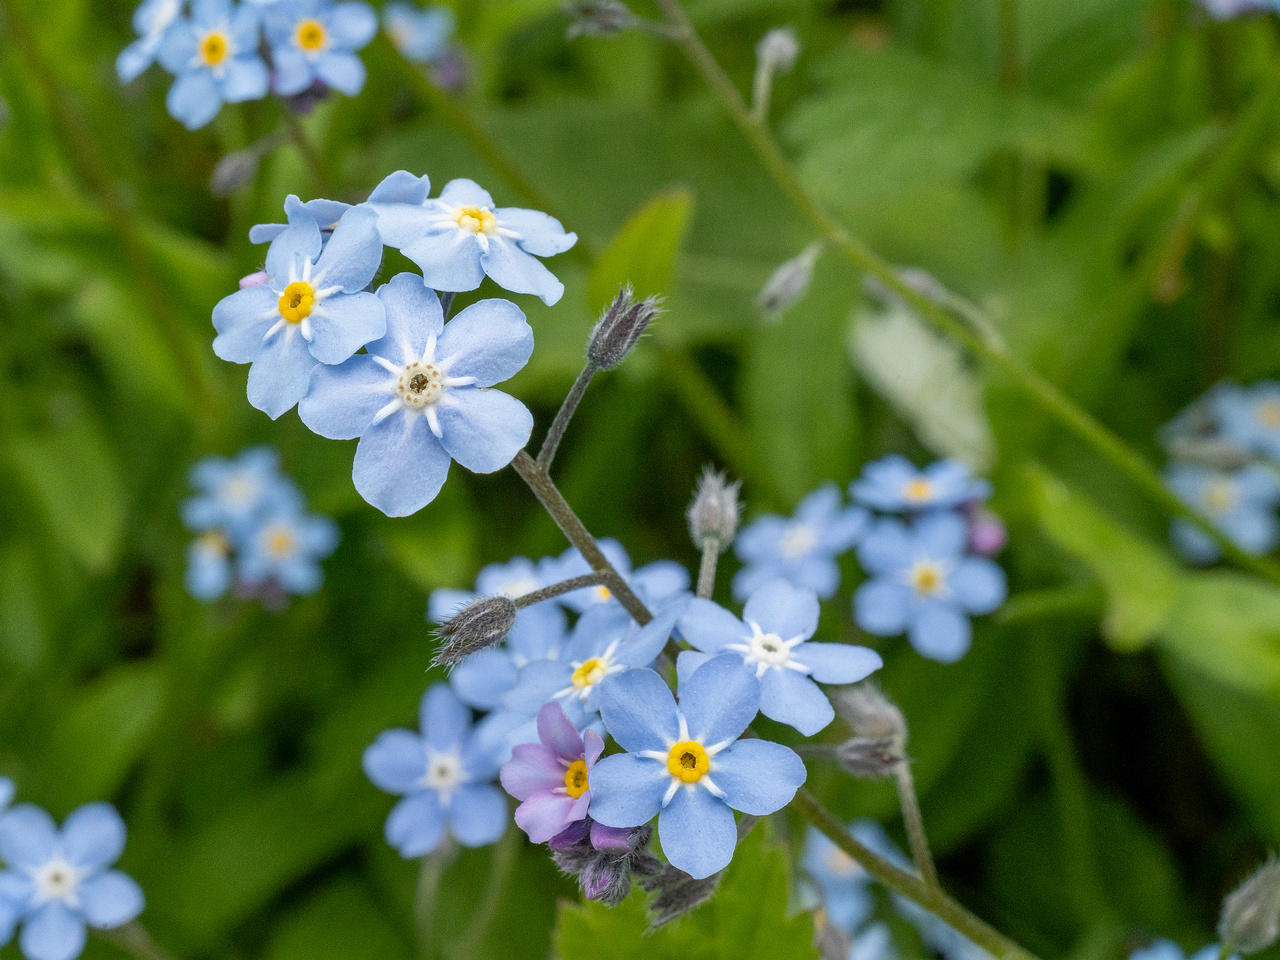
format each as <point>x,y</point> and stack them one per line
<point>644,250</point>
<point>339,922</point>
<point>1228,625</point>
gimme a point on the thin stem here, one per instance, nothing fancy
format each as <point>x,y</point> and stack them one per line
<point>707,568</point>
<point>134,938</point>
<point>559,589</point>
<point>915,825</point>
<point>309,153</point>
<point>567,409</point>
<point>761,91</point>
<point>1044,393</point>
<point>428,892</point>
<point>504,858</point>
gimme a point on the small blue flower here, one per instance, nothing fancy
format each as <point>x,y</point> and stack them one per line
<point>1249,417</point>
<point>311,310</point>
<point>233,494</point>
<point>893,485</point>
<point>214,56</point>
<point>61,881</point>
<point>151,21</point>
<point>209,571</point>
<point>316,40</point>
<point>659,585</point>
<point>1168,950</point>
<point>326,214</point>
<point>922,584</point>
<point>686,765</point>
<point>420,399</point>
<point>770,643</point>
<point>1228,9</point>
<point>421,35</point>
<point>460,237</point>
<point>445,777</point>
<point>286,549</point>
<point>873,943</point>
<point>1242,505</point>
<point>801,549</point>
<point>843,884</point>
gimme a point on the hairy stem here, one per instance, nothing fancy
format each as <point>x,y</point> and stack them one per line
<point>707,568</point>
<point>914,822</point>
<point>134,938</point>
<point>567,409</point>
<point>559,589</point>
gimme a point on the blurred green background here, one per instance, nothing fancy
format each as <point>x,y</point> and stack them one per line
<point>1101,176</point>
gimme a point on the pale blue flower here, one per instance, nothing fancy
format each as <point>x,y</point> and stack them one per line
<point>421,35</point>
<point>6,793</point>
<point>686,765</point>
<point>460,237</point>
<point>232,494</point>
<point>445,776</point>
<point>60,881</point>
<point>924,585</point>
<point>420,397</point>
<point>1249,417</point>
<point>843,885</point>
<point>769,642</point>
<point>875,942</point>
<point>209,573</point>
<point>326,214</point>
<point>1241,504</point>
<point>1168,950</point>
<point>1228,9</point>
<point>316,40</point>
<point>893,485</point>
<point>286,549</point>
<point>659,585</point>
<point>311,311</point>
<point>151,21</point>
<point>801,549</point>
<point>214,57</point>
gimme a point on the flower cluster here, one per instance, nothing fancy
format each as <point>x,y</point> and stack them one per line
<point>58,883</point>
<point>215,50</point>
<point>1225,451</point>
<point>421,35</point>
<point>254,530</point>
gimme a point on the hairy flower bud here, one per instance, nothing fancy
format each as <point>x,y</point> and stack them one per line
<point>789,283</point>
<point>604,870</point>
<point>713,514</point>
<point>1251,914</point>
<point>479,624</point>
<point>619,329</point>
<point>879,742</point>
<point>869,758</point>
<point>598,18</point>
<point>234,171</point>
<point>678,893</point>
<point>778,49</point>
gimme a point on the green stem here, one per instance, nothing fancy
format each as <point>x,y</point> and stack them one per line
<point>707,568</point>
<point>567,409</point>
<point>504,858</point>
<point>914,823</point>
<point>134,939</point>
<point>1044,393</point>
<point>559,589</point>
<point>311,156</point>
<point>428,893</point>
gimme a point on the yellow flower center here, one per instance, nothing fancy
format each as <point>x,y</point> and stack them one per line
<point>602,594</point>
<point>296,301</point>
<point>590,673</point>
<point>926,578</point>
<point>311,35</point>
<point>1269,414</point>
<point>475,219</point>
<point>918,490</point>
<point>213,540</point>
<point>1219,496</point>
<point>280,542</point>
<point>688,761</point>
<point>575,779</point>
<point>214,48</point>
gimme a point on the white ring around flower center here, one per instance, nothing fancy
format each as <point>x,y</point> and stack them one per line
<point>444,771</point>
<point>799,539</point>
<point>767,651</point>
<point>420,384</point>
<point>57,880</point>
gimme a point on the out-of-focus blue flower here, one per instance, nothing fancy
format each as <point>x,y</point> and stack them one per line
<point>312,310</point>
<point>801,549</point>
<point>922,584</point>
<point>61,880</point>
<point>1227,9</point>
<point>686,765</point>
<point>420,399</point>
<point>151,21</point>
<point>1241,504</point>
<point>326,214</point>
<point>659,585</point>
<point>461,236</point>
<point>552,777</point>
<point>1168,950</point>
<point>770,643</point>
<point>421,35</point>
<point>232,494</point>
<point>892,484</point>
<point>842,883</point>
<point>209,572</point>
<point>287,549</point>
<point>873,943</point>
<point>1249,417</point>
<point>6,793</point>
<point>214,56</point>
<point>316,40</point>
<point>444,775</point>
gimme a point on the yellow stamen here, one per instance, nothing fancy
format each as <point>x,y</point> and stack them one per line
<point>602,594</point>
<point>475,219</point>
<point>214,48</point>
<point>926,578</point>
<point>1269,414</point>
<point>280,542</point>
<point>296,301</point>
<point>575,779</point>
<point>213,540</point>
<point>1219,496</point>
<point>311,35</point>
<point>918,490</point>
<point>590,673</point>
<point>688,761</point>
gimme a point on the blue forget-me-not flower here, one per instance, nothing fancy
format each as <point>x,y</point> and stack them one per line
<point>924,585</point>
<point>459,237</point>
<point>61,881</point>
<point>286,549</point>
<point>771,643</point>
<point>421,35</point>
<point>1241,504</point>
<point>445,776</point>
<point>843,885</point>
<point>151,21</point>
<point>235,493</point>
<point>214,57</point>
<point>420,399</point>
<point>801,549</point>
<point>316,40</point>
<point>685,764</point>
<point>1249,417</point>
<point>326,214</point>
<point>893,485</point>
<point>311,311</point>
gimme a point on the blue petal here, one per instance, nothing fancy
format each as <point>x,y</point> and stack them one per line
<point>792,698</point>
<point>445,602</point>
<point>819,508</point>
<point>942,534</point>
<point>208,573</point>
<point>883,606</point>
<point>416,825</point>
<point>659,582</point>
<point>643,645</point>
<point>446,263</point>
<point>177,48</point>
<point>478,815</point>
<point>483,429</point>
<point>246,79</point>
<point>353,254</point>
<point>28,837</point>
<point>539,631</point>
<point>697,832</point>
<point>342,324</point>
<point>93,836</point>
<point>193,100</point>
<point>780,608</point>
<point>688,662</point>
<point>627,790</point>
<point>53,932</point>
<point>837,662</point>
<point>758,777</point>
<point>538,683</point>
<point>940,632</point>
<point>244,27</point>
<point>889,547</point>
<point>401,187</point>
<point>352,25</point>
<point>709,626</point>
<point>540,234</point>
<point>978,585</point>
<point>242,320</point>
<point>844,532</point>
<point>413,315</point>
<point>342,400</point>
<point>445,721</point>
<point>7,791</point>
<point>465,193</point>
<point>489,340</point>
<point>482,679</point>
<point>639,711</point>
<point>750,579</point>
<point>299,244</point>
<point>11,910</point>
<point>342,71</point>
<point>281,372</point>
<point>402,222</point>
<point>134,59</point>
<point>513,269</point>
<point>719,700</point>
<point>109,900</point>
<point>292,72</point>
<point>760,539</point>
<point>400,465</point>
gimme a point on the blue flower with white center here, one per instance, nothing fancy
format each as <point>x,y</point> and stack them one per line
<point>770,642</point>
<point>60,880</point>
<point>922,584</point>
<point>686,765</point>
<point>286,549</point>
<point>209,571</point>
<point>843,885</point>
<point>326,214</point>
<point>1249,417</point>
<point>1241,504</point>
<point>232,493</point>
<point>151,21</point>
<point>421,35</point>
<point>460,237</point>
<point>316,40</point>
<point>420,397</point>
<point>214,56</point>
<point>801,549</point>
<point>311,311</point>
<point>893,485</point>
<point>445,776</point>
<point>659,585</point>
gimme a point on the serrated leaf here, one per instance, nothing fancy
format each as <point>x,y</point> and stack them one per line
<point>644,250</point>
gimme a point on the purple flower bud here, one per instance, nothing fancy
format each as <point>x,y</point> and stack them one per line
<point>987,533</point>
<point>253,280</point>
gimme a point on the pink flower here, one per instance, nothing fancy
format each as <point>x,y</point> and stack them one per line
<point>552,778</point>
